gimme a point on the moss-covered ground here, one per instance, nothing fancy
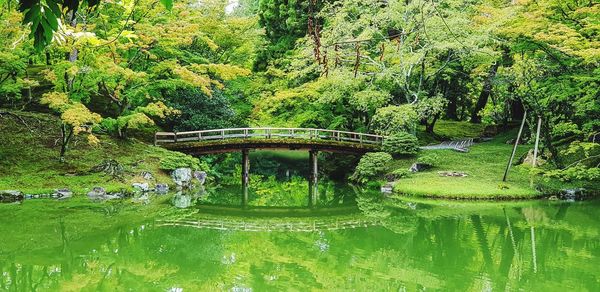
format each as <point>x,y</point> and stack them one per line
<point>484,164</point>
<point>29,158</point>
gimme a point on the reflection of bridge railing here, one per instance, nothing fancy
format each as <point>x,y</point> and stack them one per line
<point>267,133</point>
<point>266,226</point>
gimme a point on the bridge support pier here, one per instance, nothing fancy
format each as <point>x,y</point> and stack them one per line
<point>245,175</point>
<point>313,177</point>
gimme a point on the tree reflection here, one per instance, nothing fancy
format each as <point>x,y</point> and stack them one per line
<point>419,245</point>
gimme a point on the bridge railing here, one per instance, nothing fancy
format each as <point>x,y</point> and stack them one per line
<point>267,133</point>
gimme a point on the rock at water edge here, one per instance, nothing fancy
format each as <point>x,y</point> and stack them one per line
<point>200,176</point>
<point>144,187</point>
<point>182,176</point>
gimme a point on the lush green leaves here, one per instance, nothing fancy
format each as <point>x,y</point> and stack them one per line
<point>371,166</point>
<point>401,143</point>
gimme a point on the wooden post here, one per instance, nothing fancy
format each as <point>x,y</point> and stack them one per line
<point>537,141</point>
<point>512,156</point>
<point>313,177</point>
<point>245,168</point>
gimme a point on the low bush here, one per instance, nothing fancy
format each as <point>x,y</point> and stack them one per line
<point>401,144</point>
<point>398,174</point>
<point>575,173</point>
<point>174,160</point>
<point>430,159</point>
<point>371,166</point>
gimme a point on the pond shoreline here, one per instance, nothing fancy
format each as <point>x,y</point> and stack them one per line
<point>556,196</point>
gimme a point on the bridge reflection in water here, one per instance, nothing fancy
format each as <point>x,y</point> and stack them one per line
<point>267,219</point>
<point>246,139</point>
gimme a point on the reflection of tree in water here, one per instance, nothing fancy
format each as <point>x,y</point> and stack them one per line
<point>444,247</point>
<point>509,247</point>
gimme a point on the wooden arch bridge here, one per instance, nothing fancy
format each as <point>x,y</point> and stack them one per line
<point>234,139</point>
<point>246,139</point>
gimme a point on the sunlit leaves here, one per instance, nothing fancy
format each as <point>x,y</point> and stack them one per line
<point>44,16</point>
<point>395,119</point>
<point>80,118</point>
<point>74,115</point>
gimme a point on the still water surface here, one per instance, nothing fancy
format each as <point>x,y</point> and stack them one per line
<point>351,240</point>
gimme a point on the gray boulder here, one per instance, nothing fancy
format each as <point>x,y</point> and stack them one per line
<point>10,196</point>
<point>114,196</point>
<point>141,187</point>
<point>182,176</point>
<point>200,176</point>
<point>572,194</point>
<point>62,194</point>
<point>388,188</point>
<point>416,167</point>
<point>182,201</point>
<point>147,175</point>
<point>161,188</point>
<point>528,159</point>
<point>97,193</point>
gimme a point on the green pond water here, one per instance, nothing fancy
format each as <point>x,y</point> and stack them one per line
<point>350,239</point>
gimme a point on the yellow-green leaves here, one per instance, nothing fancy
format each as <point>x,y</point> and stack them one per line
<point>222,71</point>
<point>80,118</point>
<point>73,114</point>
<point>57,101</point>
<point>158,110</point>
<point>193,79</point>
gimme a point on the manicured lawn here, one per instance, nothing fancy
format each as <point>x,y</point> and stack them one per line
<point>484,164</point>
<point>450,130</point>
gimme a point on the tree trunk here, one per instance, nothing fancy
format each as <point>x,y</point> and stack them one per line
<point>429,126</point>
<point>72,57</point>
<point>548,142</point>
<point>452,107</point>
<point>485,93</point>
<point>67,133</point>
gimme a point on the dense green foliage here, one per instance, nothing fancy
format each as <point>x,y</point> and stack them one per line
<point>371,167</point>
<point>130,68</point>
<point>176,160</point>
<point>401,144</point>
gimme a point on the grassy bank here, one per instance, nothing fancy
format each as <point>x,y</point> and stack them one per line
<point>484,164</point>
<point>29,158</point>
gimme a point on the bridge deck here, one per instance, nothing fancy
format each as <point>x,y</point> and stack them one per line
<point>223,140</point>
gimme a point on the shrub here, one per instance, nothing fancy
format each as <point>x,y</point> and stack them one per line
<point>401,144</point>
<point>394,119</point>
<point>174,160</point>
<point>562,130</point>
<point>371,166</point>
<point>430,159</point>
<point>398,174</point>
<point>575,173</point>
